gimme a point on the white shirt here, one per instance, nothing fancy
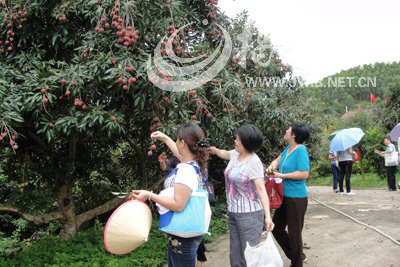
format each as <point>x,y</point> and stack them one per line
<point>186,174</point>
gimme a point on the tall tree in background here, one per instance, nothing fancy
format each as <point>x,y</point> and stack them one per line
<point>388,114</point>
<point>358,82</point>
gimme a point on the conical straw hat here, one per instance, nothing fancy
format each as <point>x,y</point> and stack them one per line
<point>128,227</point>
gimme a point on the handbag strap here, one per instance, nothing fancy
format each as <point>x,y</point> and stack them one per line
<point>174,171</point>
<point>281,168</point>
<point>197,170</point>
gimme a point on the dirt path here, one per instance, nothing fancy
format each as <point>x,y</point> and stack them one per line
<point>332,239</point>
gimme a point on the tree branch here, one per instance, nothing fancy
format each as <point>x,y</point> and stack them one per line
<point>93,213</point>
<point>142,160</point>
<point>36,219</point>
<point>38,140</point>
<point>157,184</point>
<point>106,207</point>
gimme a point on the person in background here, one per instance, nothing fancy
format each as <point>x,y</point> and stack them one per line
<point>192,151</point>
<point>293,166</point>
<point>398,144</point>
<point>398,149</point>
<point>335,170</point>
<point>345,168</point>
<point>169,166</point>
<point>248,203</point>
<point>390,168</point>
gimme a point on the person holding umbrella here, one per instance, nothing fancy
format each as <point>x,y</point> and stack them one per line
<point>342,141</point>
<point>390,164</point>
<point>346,168</point>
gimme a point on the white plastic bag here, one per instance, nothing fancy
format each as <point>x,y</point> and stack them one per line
<point>264,254</point>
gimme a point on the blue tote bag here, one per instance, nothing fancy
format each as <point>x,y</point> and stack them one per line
<point>193,221</point>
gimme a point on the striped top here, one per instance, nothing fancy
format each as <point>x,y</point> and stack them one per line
<point>241,192</point>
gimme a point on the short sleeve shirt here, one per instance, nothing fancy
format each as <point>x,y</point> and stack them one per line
<point>391,147</point>
<point>345,156</point>
<point>241,192</point>
<point>333,153</point>
<point>298,160</point>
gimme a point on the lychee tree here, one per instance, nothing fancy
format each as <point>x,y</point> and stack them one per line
<point>77,105</point>
<point>388,112</point>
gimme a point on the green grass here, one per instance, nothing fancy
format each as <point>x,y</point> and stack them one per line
<point>87,248</point>
<point>371,181</point>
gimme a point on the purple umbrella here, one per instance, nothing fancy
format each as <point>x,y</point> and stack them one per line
<point>395,133</point>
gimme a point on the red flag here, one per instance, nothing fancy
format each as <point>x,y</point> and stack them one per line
<point>372,98</point>
<point>359,106</point>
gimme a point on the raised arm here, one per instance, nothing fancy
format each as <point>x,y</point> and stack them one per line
<point>223,154</point>
<point>350,150</point>
<point>168,141</point>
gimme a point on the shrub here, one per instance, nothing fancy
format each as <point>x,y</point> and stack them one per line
<point>87,247</point>
<point>321,168</point>
<point>356,167</point>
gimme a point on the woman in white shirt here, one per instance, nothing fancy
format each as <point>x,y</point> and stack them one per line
<point>345,169</point>
<point>192,152</point>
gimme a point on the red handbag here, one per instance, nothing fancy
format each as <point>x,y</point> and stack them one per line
<point>274,189</point>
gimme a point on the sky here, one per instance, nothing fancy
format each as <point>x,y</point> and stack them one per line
<point>319,38</point>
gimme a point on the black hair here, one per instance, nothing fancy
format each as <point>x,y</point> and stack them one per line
<point>250,136</point>
<point>388,138</point>
<point>301,132</point>
<point>192,134</point>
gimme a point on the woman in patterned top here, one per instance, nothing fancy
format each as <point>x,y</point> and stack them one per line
<point>245,192</point>
<point>191,151</point>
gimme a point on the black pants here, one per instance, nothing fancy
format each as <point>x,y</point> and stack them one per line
<point>291,214</point>
<point>346,167</point>
<point>391,179</point>
<point>201,252</point>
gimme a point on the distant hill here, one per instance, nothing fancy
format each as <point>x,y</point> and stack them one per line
<point>354,86</point>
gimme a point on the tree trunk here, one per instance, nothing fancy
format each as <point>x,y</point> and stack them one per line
<point>64,195</point>
<point>361,167</point>
<point>362,170</point>
<point>66,215</point>
<point>67,209</point>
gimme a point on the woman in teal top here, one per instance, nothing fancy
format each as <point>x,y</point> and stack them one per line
<point>293,167</point>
